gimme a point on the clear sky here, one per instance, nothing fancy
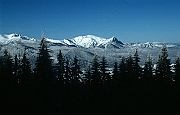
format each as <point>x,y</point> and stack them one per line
<point>128,20</point>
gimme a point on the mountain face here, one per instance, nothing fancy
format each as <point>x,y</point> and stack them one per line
<point>89,41</point>
<point>85,47</point>
<point>5,39</point>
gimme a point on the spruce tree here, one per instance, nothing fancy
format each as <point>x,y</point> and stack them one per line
<point>136,68</point>
<point>176,85</point>
<point>105,77</point>
<point>76,88</point>
<point>115,73</point>
<point>68,72</point>
<point>107,87</point>
<point>163,85</point>
<point>148,84</point>
<point>16,66</point>
<point>177,70</point>
<point>76,72</point>
<point>115,87</point>
<point>25,85</point>
<point>26,67</point>
<point>96,78</point>
<point>88,76</point>
<point>129,66</point>
<point>163,66</point>
<point>148,68</point>
<point>43,67</point>
<point>8,85</point>
<point>44,81</point>
<point>122,67</point>
<point>123,84</point>
<point>60,66</point>
<point>95,88</point>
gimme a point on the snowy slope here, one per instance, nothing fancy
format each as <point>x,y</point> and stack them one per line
<point>14,38</point>
<point>88,41</point>
<point>85,47</point>
<point>152,45</point>
<point>91,41</point>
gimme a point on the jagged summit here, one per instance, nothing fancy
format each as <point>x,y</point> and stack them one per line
<point>14,38</point>
<point>86,41</point>
<point>84,47</point>
<point>89,41</point>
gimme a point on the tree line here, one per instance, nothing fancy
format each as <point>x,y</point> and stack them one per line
<point>63,88</point>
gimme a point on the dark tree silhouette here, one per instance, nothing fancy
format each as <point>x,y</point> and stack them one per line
<point>104,71</point>
<point>8,85</point>
<point>88,75</point>
<point>176,85</point>
<point>66,97</point>
<point>163,82</point>
<point>148,84</point>
<point>25,81</point>
<point>163,66</point>
<point>62,88</point>
<point>136,68</point>
<point>177,70</point>
<point>76,72</point>
<point>44,81</point>
<point>60,67</point>
<point>115,73</point>
<point>96,78</point>
<point>107,87</point>
<point>16,66</point>
<point>95,88</point>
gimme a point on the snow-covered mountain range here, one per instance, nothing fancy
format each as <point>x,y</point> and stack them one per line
<point>89,41</point>
<point>85,47</point>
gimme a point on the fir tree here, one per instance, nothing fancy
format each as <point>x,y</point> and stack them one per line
<point>148,68</point>
<point>44,81</point>
<point>61,67</point>
<point>115,73</point>
<point>43,67</point>
<point>104,71</point>
<point>25,85</point>
<point>76,88</point>
<point>8,85</point>
<point>163,66</point>
<point>26,67</point>
<point>129,66</point>
<point>16,66</point>
<point>95,88</point>
<point>96,78</point>
<point>177,70</point>
<point>68,72</point>
<point>163,83</point>
<point>107,87</point>
<point>136,68</point>
<point>76,72</point>
<point>88,76</point>
<point>123,84</point>
<point>122,67</point>
<point>176,85</point>
<point>148,84</point>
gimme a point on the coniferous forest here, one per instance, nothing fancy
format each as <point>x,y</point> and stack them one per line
<point>63,88</point>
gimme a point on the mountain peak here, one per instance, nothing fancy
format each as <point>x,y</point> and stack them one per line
<point>113,39</point>
<point>14,38</point>
<point>91,41</point>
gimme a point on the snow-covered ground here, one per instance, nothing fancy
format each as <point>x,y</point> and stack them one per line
<point>85,47</point>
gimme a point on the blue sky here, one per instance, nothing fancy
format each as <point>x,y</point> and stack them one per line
<point>128,20</point>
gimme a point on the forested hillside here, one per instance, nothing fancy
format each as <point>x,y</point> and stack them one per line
<point>64,88</point>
